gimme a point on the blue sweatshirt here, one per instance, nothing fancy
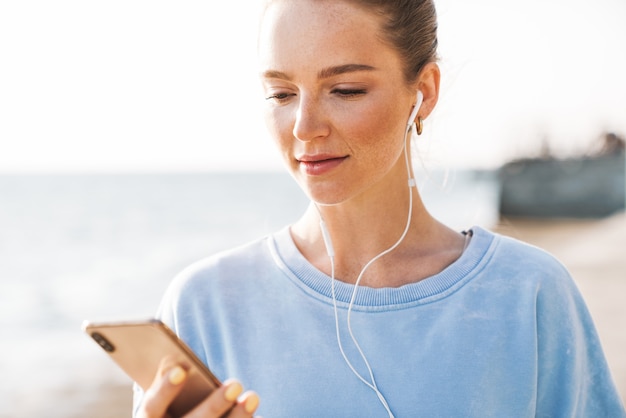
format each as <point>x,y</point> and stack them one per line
<point>502,332</point>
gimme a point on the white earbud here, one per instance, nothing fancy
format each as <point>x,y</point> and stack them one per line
<point>416,108</point>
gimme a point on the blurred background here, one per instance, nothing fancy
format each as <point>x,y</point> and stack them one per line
<point>132,143</point>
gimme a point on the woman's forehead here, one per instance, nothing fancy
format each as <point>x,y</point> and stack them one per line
<point>320,32</point>
<point>317,16</point>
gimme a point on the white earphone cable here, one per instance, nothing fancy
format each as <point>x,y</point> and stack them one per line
<point>331,254</point>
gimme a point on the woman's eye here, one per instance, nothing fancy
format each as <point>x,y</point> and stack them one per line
<point>349,93</point>
<point>279,97</point>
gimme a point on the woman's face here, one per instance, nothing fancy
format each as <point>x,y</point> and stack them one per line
<point>337,102</point>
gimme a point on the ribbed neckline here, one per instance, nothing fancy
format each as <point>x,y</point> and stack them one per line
<point>318,285</point>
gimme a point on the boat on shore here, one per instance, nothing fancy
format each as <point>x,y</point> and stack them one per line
<point>590,186</point>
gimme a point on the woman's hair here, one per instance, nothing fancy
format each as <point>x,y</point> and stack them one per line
<point>409,26</point>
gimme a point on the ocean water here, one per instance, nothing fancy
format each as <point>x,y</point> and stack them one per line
<point>100,247</point>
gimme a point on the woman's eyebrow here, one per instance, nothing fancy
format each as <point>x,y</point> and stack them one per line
<point>342,69</point>
<point>324,73</point>
<point>275,74</point>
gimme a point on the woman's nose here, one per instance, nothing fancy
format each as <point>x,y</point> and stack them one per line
<point>310,120</point>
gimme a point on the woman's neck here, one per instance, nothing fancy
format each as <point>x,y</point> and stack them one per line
<point>359,231</point>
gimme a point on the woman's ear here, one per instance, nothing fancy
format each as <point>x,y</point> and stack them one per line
<point>428,83</point>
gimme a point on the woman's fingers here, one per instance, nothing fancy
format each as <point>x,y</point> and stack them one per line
<point>246,407</point>
<point>227,399</point>
<point>166,386</point>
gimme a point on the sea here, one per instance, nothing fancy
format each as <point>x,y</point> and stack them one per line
<point>77,247</point>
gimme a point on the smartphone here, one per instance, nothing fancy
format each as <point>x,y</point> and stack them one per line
<point>138,348</point>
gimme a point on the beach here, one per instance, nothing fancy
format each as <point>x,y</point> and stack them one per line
<point>593,251</point>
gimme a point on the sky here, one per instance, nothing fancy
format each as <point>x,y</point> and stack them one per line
<point>132,86</point>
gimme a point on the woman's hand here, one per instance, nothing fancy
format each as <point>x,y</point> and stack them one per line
<point>223,402</point>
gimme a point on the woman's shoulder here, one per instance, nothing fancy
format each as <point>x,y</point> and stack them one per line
<point>227,263</point>
<point>515,259</point>
<point>226,268</point>
<point>512,251</point>
<point>521,273</point>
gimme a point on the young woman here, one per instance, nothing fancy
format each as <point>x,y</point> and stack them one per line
<point>368,306</point>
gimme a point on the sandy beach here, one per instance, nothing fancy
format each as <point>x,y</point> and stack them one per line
<point>593,250</point>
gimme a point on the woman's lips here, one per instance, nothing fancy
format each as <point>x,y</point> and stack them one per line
<point>318,165</point>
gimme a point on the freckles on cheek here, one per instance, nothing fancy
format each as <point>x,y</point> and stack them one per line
<point>368,126</point>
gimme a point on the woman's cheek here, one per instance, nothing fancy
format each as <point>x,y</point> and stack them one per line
<point>280,133</point>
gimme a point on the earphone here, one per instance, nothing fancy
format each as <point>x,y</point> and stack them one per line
<point>416,108</point>
<point>331,254</point>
